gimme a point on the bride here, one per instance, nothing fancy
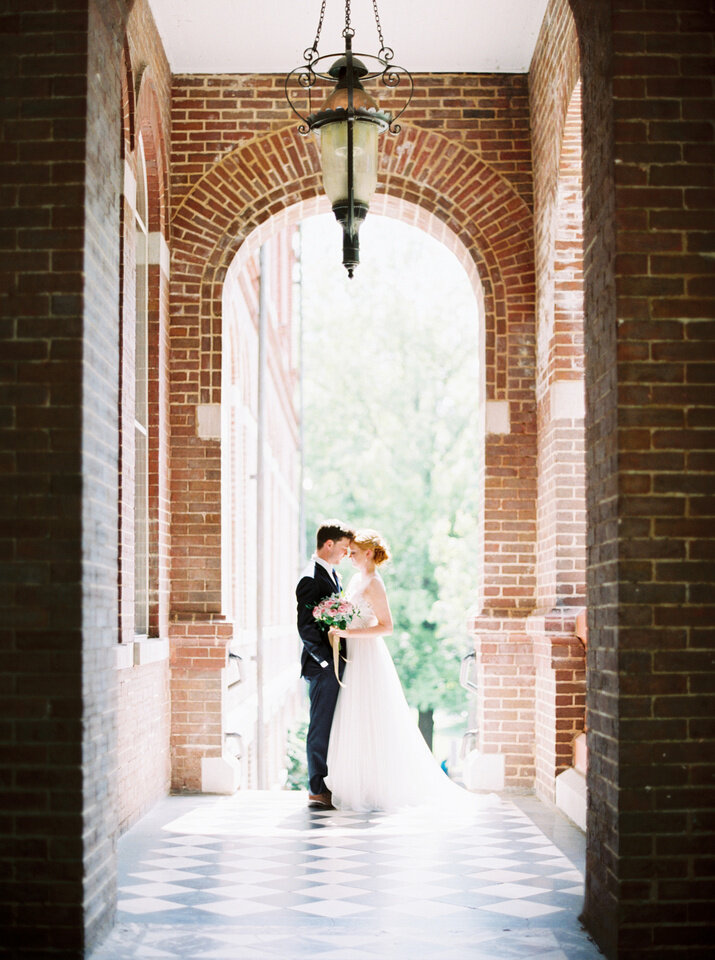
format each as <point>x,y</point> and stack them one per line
<point>377,757</point>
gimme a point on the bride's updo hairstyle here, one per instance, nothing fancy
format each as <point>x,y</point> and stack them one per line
<point>371,540</point>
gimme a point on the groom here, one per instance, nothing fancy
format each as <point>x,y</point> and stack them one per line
<point>318,581</point>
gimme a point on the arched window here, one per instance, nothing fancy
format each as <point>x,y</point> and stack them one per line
<point>141,406</point>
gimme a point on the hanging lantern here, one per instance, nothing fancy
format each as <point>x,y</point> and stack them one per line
<point>348,126</point>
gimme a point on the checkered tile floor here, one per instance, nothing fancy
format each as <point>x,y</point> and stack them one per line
<point>258,875</point>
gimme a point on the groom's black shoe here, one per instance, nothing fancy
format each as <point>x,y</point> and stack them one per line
<point>321,801</point>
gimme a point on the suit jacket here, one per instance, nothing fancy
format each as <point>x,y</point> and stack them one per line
<point>314,585</point>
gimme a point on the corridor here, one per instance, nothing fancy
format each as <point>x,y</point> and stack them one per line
<point>257,876</point>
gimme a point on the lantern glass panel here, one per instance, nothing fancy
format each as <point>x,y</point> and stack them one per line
<point>334,159</point>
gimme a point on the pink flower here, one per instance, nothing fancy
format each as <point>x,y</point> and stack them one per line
<point>335,611</point>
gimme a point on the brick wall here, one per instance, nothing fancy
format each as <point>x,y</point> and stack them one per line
<point>61,188</point>
<point>143,727</point>
<point>561,508</point>
<point>143,718</point>
<point>664,301</point>
<point>648,188</point>
<point>213,115</point>
<point>102,173</point>
<point>199,657</point>
<point>60,180</point>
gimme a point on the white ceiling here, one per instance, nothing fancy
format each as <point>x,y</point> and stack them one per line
<point>269,36</point>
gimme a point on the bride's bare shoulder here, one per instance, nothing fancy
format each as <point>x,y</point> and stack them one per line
<point>375,587</point>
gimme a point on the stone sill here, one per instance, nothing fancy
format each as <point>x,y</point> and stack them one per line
<point>141,651</point>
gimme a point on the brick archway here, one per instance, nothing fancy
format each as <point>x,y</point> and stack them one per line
<point>453,185</point>
<point>444,178</point>
<point>243,266</point>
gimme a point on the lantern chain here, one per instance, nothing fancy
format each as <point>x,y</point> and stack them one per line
<point>348,31</point>
<point>312,52</point>
<point>379,27</point>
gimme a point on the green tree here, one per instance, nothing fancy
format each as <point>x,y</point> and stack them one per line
<point>391,432</point>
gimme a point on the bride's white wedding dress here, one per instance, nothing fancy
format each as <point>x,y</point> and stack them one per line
<point>377,757</point>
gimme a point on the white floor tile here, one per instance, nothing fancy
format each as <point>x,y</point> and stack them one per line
<point>239,854</point>
<point>239,891</point>
<point>415,876</point>
<point>331,908</point>
<point>347,941</point>
<point>247,876</point>
<point>155,889</point>
<point>348,955</point>
<point>331,891</point>
<point>553,955</point>
<point>194,840</point>
<point>492,863</point>
<point>175,863</point>
<point>165,876</point>
<point>236,908</point>
<point>521,908</point>
<point>422,891</point>
<point>144,905</point>
<point>247,939</point>
<point>229,953</point>
<point>332,864</point>
<point>481,852</point>
<point>149,953</point>
<point>331,876</point>
<point>333,853</point>
<point>169,851</point>
<point>512,891</point>
<point>428,908</point>
<point>252,867</point>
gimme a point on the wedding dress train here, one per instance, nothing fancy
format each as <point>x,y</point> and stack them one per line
<point>377,757</point>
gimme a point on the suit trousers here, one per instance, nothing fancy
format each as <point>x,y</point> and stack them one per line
<point>323,690</point>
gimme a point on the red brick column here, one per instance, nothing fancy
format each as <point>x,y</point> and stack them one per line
<point>560,694</point>
<point>199,656</point>
<point>143,717</point>
<point>648,142</point>
<point>61,178</point>
<point>561,506</point>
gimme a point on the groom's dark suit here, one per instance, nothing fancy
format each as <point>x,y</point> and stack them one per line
<point>317,667</point>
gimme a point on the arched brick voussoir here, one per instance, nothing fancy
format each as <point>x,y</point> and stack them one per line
<point>259,179</point>
<point>149,125</point>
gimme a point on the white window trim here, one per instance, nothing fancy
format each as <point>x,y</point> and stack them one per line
<point>141,651</point>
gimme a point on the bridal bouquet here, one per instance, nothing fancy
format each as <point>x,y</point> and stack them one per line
<point>335,612</point>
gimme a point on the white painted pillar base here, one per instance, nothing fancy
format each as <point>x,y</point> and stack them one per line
<point>571,796</point>
<point>484,771</point>
<point>220,774</point>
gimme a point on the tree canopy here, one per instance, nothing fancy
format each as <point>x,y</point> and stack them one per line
<point>391,441</point>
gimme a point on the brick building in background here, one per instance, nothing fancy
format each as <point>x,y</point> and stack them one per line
<point>146,238</point>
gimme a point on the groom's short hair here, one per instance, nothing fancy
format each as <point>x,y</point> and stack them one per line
<point>332,530</point>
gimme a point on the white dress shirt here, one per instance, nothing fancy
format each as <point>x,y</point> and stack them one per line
<point>326,566</point>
